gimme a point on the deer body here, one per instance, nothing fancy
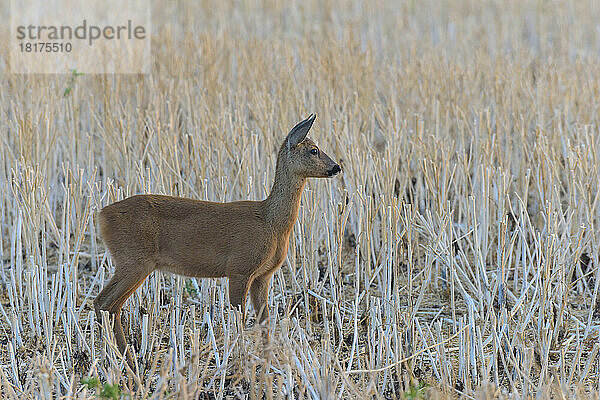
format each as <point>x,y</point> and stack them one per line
<point>246,241</point>
<point>186,236</point>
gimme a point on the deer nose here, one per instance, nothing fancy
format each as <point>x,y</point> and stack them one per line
<point>334,170</point>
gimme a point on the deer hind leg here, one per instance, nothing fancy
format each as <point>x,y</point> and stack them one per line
<point>259,292</point>
<point>122,285</point>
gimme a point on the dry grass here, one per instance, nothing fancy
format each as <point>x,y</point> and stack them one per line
<point>459,249</point>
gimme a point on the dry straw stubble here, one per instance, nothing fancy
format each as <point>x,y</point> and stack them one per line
<point>458,248</point>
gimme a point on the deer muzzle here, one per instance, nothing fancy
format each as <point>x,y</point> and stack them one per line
<point>335,170</point>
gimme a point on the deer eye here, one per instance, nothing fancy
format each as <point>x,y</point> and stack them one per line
<point>314,152</point>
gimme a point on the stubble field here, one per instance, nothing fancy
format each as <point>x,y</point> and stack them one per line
<point>457,254</point>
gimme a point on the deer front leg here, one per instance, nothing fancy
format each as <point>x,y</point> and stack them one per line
<point>259,291</point>
<point>238,290</point>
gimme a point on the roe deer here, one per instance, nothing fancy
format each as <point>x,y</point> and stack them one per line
<point>245,241</point>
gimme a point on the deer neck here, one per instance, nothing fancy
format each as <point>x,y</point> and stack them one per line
<point>284,200</point>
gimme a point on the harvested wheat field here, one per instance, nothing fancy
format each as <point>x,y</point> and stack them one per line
<point>456,256</point>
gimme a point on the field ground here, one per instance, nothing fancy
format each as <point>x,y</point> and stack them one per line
<point>456,256</point>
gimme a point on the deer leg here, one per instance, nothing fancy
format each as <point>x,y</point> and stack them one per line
<point>238,290</point>
<point>259,291</point>
<point>122,285</point>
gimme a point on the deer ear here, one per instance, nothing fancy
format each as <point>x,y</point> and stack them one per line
<point>299,132</point>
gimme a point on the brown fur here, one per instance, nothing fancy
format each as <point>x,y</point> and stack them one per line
<point>245,241</point>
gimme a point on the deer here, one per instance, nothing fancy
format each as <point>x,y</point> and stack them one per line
<point>245,241</point>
